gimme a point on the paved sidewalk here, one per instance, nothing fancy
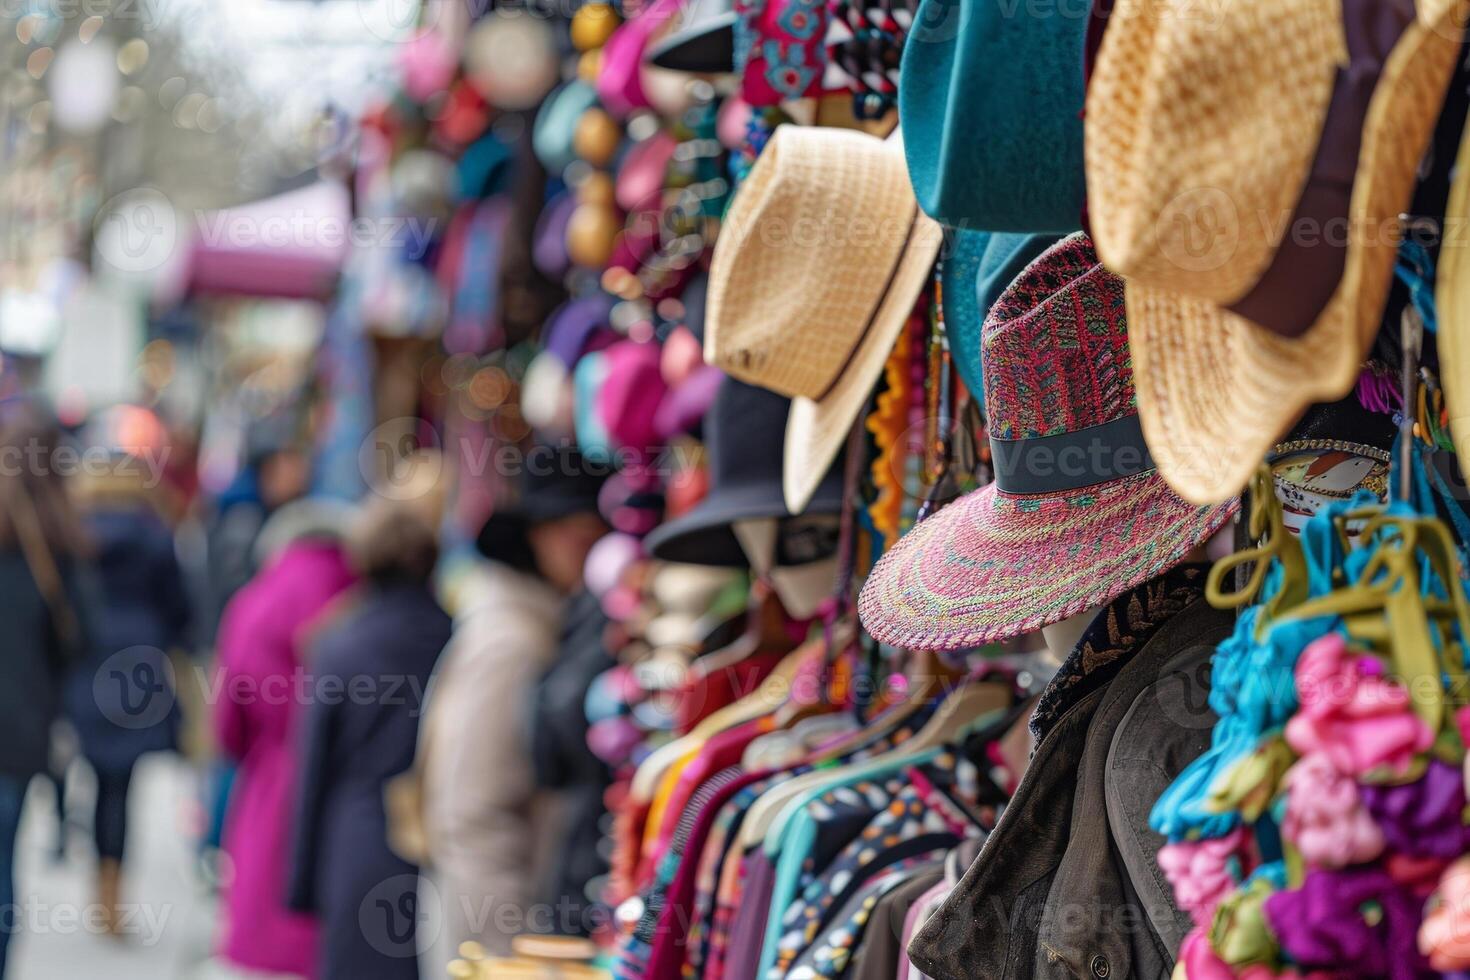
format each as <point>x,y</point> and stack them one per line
<point>172,917</point>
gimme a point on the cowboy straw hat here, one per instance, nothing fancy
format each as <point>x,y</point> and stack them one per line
<point>1452,301</point>
<point>1077,515</point>
<point>1254,211</point>
<point>818,265</point>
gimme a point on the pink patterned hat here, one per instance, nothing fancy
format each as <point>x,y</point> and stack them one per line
<point>1077,514</point>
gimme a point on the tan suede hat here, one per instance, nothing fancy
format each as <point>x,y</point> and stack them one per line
<point>818,265</point>
<point>1246,172</point>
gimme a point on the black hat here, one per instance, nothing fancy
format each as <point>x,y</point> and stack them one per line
<point>703,42</point>
<point>744,437</point>
<point>555,481</point>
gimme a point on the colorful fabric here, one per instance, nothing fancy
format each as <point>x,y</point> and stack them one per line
<point>831,956</point>
<point>937,808</point>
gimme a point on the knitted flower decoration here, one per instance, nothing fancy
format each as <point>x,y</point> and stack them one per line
<point>1426,817</point>
<point>1444,936</point>
<point>1325,818</point>
<point>1358,921</point>
<point>1203,872</point>
<point>1358,718</point>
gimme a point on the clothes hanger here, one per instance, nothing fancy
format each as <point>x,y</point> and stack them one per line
<point>1276,546</point>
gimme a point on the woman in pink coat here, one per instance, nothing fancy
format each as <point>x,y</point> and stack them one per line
<point>262,692</point>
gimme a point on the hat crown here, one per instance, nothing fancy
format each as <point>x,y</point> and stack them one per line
<point>805,256</point>
<point>1055,347</point>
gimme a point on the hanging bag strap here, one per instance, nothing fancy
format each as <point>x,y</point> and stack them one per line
<point>26,521</point>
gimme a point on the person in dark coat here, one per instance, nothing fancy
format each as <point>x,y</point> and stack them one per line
<point>43,617</point>
<point>370,667</point>
<point>120,697</point>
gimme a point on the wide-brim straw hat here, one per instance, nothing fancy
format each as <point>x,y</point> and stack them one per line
<point>1452,303</point>
<point>1044,542</point>
<point>820,260</point>
<point>1204,195</point>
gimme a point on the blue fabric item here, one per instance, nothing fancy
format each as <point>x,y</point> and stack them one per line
<point>592,435</point>
<point>977,268</point>
<point>1253,689</point>
<point>990,100</point>
<point>556,122</point>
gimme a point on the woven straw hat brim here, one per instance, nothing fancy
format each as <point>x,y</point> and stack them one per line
<point>1216,391</point>
<point>817,430</point>
<point>991,567</point>
<point>1452,299</point>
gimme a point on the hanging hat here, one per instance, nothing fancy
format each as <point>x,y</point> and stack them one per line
<point>1258,239</point>
<point>556,124</point>
<point>629,397</point>
<point>1452,300</point>
<point>990,95</point>
<point>1076,515</point>
<point>702,39</point>
<point>580,326</point>
<point>743,440</point>
<point>977,268</point>
<point>817,267</point>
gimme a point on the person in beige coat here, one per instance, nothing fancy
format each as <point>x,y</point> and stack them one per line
<point>486,827</point>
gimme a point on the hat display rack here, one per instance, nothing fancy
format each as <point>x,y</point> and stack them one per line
<point>1034,438</point>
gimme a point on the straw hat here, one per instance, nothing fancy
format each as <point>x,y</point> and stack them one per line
<point>1452,300</point>
<point>1224,202</point>
<point>817,268</point>
<point>1077,515</point>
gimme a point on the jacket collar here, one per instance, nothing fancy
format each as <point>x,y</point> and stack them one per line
<point>1120,630</point>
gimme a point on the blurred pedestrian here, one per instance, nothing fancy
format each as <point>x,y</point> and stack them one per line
<point>42,618</point>
<point>370,667</point>
<point>120,697</point>
<point>265,628</point>
<point>490,834</point>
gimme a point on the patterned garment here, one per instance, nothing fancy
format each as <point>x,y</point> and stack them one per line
<point>1120,630</point>
<point>715,913</point>
<point>942,803</point>
<point>636,945</point>
<point>831,956</point>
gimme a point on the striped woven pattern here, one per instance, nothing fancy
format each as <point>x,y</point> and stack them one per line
<point>992,565</point>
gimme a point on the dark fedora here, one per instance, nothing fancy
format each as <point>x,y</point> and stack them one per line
<point>702,39</point>
<point>744,439</point>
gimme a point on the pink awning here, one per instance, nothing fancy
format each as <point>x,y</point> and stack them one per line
<point>288,246</point>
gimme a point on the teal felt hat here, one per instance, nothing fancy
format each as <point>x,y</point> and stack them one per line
<point>990,101</point>
<point>556,122</point>
<point>976,270</point>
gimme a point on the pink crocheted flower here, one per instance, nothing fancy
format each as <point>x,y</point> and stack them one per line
<point>1203,872</point>
<point>1199,962</point>
<point>1444,936</point>
<point>1325,818</point>
<point>1349,711</point>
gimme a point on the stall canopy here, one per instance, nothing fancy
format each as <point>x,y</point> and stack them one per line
<point>291,245</point>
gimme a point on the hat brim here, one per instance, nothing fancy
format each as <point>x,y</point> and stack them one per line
<point>992,567</point>
<point>816,430</point>
<point>704,536</point>
<point>1216,391</point>
<point>1452,297</point>
<point>706,48</point>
